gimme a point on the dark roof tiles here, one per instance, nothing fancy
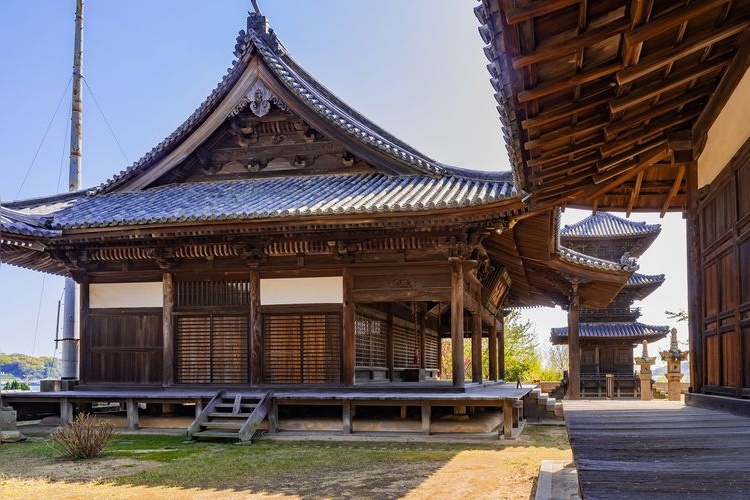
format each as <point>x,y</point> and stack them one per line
<point>614,330</point>
<point>606,225</point>
<point>284,197</point>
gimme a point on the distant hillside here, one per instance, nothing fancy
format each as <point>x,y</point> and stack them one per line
<point>662,370</point>
<point>24,367</point>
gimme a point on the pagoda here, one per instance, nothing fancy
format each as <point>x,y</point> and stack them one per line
<point>608,335</point>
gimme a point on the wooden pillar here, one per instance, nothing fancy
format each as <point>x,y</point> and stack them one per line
<point>694,282</point>
<point>198,407</point>
<point>492,353</point>
<point>389,363</point>
<point>476,344</point>
<point>132,412</point>
<point>273,417</point>
<point>426,415</point>
<point>84,330</point>
<point>457,320</point>
<point>66,411</point>
<point>574,348</point>
<point>167,330</point>
<point>256,330</point>
<point>346,414</point>
<point>422,328</point>
<point>349,343</point>
<point>501,348</point>
<point>507,418</point>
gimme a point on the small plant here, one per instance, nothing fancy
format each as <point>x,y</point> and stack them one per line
<point>85,438</point>
<point>15,385</point>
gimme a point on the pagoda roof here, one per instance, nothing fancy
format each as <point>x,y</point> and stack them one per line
<point>638,279</point>
<point>635,331</point>
<point>606,225</point>
<point>279,197</point>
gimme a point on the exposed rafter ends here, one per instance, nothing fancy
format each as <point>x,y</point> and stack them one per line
<point>583,86</point>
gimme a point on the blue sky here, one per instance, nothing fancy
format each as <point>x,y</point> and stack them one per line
<point>416,68</point>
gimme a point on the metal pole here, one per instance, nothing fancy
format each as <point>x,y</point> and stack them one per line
<point>70,335</point>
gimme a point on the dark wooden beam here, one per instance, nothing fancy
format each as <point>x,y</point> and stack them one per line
<point>627,171</point>
<point>492,351</point>
<point>349,342</point>
<point>585,39</point>
<point>256,330</point>
<point>694,281</point>
<point>669,55</point>
<point>586,103</point>
<point>389,345</point>
<point>536,9</point>
<point>670,21</point>
<point>168,330</point>
<point>457,320</point>
<point>634,194</point>
<point>569,83</point>
<point>673,191</point>
<point>501,348</point>
<point>673,82</point>
<point>574,346</point>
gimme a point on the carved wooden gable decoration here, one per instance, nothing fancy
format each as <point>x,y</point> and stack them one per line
<point>268,116</point>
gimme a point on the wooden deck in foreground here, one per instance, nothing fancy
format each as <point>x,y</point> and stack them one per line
<point>658,449</point>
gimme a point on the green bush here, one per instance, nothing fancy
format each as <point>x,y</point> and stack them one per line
<point>85,438</point>
<point>15,385</point>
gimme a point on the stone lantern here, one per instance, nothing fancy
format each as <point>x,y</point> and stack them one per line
<point>645,362</point>
<point>674,358</point>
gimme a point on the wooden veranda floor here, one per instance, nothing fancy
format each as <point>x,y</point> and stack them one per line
<point>658,449</point>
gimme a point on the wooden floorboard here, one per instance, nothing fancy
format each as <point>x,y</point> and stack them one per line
<point>658,449</point>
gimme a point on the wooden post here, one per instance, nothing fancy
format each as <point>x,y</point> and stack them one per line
<point>389,356</point>
<point>457,320</point>
<point>694,281</point>
<point>273,417</point>
<point>349,341</point>
<point>501,348</point>
<point>493,349</point>
<point>198,407</point>
<point>84,331</point>
<point>574,348</point>
<point>507,418</point>
<point>426,415</point>
<point>256,330</point>
<point>66,411</point>
<point>476,345</point>
<point>346,413</point>
<point>422,328</point>
<point>132,412</point>
<point>167,330</point>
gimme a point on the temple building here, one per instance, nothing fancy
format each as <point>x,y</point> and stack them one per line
<point>279,241</point>
<point>608,335</point>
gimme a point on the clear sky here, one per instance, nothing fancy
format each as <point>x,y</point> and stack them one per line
<point>416,68</point>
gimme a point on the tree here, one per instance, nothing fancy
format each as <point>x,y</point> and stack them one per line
<point>557,362</point>
<point>679,315</point>
<point>521,355</point>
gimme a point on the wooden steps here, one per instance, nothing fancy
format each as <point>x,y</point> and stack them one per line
<point>234,417</point>
<point>541,406</point>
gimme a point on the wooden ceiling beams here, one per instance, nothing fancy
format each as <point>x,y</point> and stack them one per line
<point>598,88</point>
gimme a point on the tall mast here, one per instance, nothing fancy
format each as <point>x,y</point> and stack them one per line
<point>70,335</point>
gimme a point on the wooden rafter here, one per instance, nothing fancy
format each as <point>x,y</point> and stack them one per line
<point>670,21</point>
<point>578,79</point>
<point>537,8</point>
<point>635,192</point>
<point>673,191</point>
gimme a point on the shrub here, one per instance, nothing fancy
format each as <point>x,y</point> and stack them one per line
<point>85,438</point>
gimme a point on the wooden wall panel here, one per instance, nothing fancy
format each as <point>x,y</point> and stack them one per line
<point>371,337</point>
<point>124,346</point>
<point>724,217</point>
<point>302,348</point>
<point>212,348</point>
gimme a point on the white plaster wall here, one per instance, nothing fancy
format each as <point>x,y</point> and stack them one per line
<point>286,291</point>
<point>727,134</point>
<point>126,295</point>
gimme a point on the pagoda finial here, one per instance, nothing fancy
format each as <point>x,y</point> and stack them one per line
<point>673,345</point>
<point>645,349</point>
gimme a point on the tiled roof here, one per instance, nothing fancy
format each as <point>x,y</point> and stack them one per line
<point>638,279</point>
<point>587,260</point>
<point>13,222</point>
<point>606,225</point>
<point>260,38</point>
<point>286,197</point>
<point>615,330</point>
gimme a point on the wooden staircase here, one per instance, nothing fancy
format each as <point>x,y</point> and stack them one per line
<point>234,417</point>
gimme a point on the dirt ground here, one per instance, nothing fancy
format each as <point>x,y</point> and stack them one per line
<point>287,470</point>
